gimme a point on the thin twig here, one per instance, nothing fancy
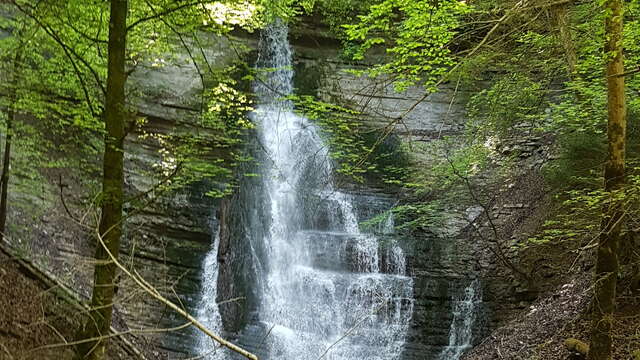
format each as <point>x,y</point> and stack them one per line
<point>350,331</point>
<point>156,294</point>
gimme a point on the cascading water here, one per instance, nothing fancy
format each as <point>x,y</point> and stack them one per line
<point>396,262</point>
<point>465,309</point>
<point>208,313</point>
<point>324,291</point>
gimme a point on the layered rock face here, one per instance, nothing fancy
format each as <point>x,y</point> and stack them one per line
<point>177,231</point>
<point>169,239</point>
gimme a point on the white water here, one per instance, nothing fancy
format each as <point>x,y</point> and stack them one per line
<point>465,310</point>
<point>208,313</point>
<point>322,292</point>
<point>396,263</point>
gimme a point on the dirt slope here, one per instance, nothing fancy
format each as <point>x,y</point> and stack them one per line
<point>34,322</point>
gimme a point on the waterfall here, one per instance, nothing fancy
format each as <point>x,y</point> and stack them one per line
<point>465,309</point>
<point>396,263</point>
<point>208,313</point>
<point>322,289</point>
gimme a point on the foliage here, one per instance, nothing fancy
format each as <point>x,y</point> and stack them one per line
<point>583,107</point>
<point>511,100</point>
<point>337,13</point>
<point>577,221</point>
<point>359,152</point>
<point>415,35</point>
<point>578,116</point>
<point>48,94</point>
<point>207,148</point>
<point>63,78</point>
<point>530,84</point>
<point>452,168</point>
<point>579,119</point>
<point>578,164</point>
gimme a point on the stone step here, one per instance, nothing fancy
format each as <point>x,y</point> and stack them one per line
<point>325,208</point>
<point>344,279</point>
<point>338,250</point>
<point>382,351</point>
<point>341,251</point>
<point>309,293</point>
<point>263,338</point>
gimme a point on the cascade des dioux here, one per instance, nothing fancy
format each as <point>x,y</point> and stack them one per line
<point>312,303</point>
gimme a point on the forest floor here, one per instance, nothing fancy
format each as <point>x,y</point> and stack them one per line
<point>35,323</point>
<point>562,274</point>
<point>539,334</point>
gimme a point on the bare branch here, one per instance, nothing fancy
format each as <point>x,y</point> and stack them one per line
<point>156,294</point>
<point>498,252</point>
<point>627,73</point>
<point>160,14</point>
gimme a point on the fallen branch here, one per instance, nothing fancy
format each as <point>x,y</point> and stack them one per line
<point>65,293</point>
<point>142,283</point>
<point>112,335</point>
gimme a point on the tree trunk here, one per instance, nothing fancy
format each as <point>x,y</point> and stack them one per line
<point>607,263</point>
<point>560,16</point>
<point>112,188</point>
<point>6,161</point>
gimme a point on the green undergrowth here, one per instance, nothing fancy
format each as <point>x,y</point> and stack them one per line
<point>364,155</point>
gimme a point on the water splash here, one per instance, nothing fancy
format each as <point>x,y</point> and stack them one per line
<point>208,313</point>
